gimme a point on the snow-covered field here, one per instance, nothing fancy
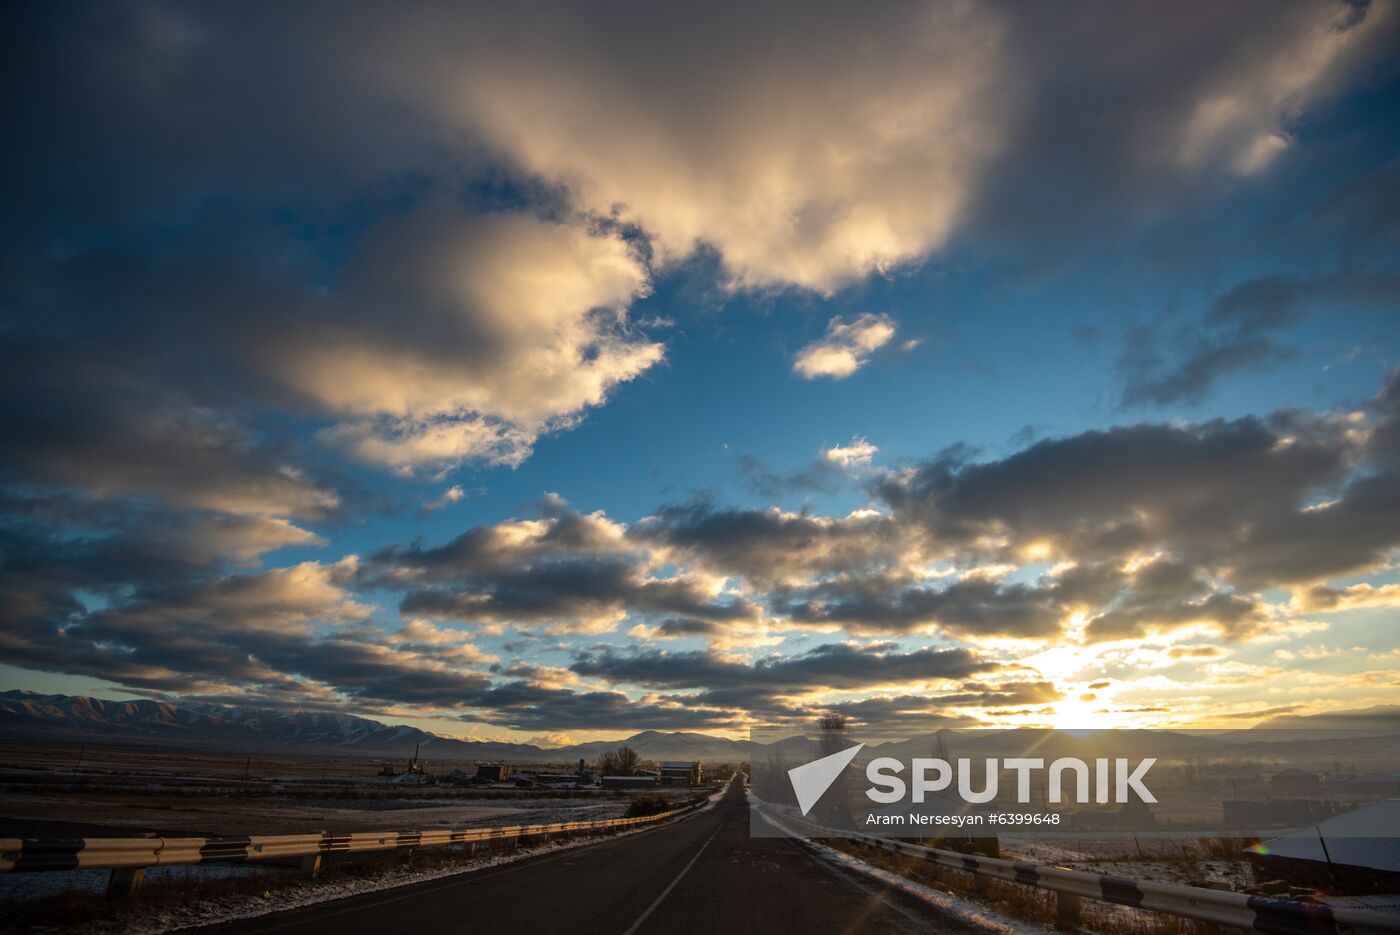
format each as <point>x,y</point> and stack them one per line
<point>223,814</point>
<point>1161,860</point>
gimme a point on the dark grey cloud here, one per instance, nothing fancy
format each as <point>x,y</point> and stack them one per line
<point>974,607</point>
<point>1166,594</point>
<point>688,626</point>
<point>530,705</point>
<point>1127,132</point>
<point>834,665</point>
<point>1362,215</point>
<point>931,711</point>
<point>1115,604</point>
<point>242,244</point>
<point>116,438</point>
<point>565,568</point>
<point>1242,332</point>
<point>569,590</point>
<point>1099,493</point>
<point>235,246</point>
<point>1205,360</point>
<point>770,545</point>
<point>1233,507</point>
<point>821,476</point>
<point>1227,509</point>
<point>59,551</point>
<point>255,634</point>
<point>563,533</point>
<point>762,689</point>
<point>146,600</point>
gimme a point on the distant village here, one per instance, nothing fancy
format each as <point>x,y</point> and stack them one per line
<point>622,768</point>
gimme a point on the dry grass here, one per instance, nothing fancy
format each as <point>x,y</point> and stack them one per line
<point>1225,848</point>
<point>1022,902</point>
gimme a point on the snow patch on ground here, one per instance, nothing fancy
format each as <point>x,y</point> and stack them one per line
<point>230,908</point>
<point>964,910</point>
<point>1182,864</point>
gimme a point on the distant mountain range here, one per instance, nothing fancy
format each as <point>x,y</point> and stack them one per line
<point>203,724</point>
<point>1382,719</point>
<point>195,723</point>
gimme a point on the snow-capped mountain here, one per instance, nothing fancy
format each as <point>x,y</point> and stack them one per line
<point>199,723</point>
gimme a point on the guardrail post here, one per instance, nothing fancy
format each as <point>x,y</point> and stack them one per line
<point>1067,908</point>
<point>311,865</point>
<point>125,881</point>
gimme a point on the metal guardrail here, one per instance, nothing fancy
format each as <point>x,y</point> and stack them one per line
<point>1220,907</point>
<point>129,858</point>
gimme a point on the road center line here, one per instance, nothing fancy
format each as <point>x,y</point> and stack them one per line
<point>279,920</point>
<point>667,891</point>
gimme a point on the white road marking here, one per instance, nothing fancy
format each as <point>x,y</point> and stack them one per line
<point>667,891</point>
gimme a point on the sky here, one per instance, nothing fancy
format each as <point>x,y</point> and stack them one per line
<point>549,371</point>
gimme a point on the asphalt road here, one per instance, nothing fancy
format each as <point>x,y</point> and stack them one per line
<point>704,874</point>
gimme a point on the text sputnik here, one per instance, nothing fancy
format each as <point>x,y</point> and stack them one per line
<point>935,775</point>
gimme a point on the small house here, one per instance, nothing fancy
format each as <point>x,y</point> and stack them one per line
<point>680,773</point>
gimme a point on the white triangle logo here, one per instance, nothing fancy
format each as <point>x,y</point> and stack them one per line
<point>811,780</point>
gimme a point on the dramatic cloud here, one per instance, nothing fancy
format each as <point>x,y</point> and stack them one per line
<point>253,311</point>
<point>127,441</point>
<point>845,347</point>
<point>936,711</point>
<point>1154,527</point>
<point>803,154</point>
<point>566,570</point>
<point>1128,133</point>
<point>463,338</point>
<point>788,688</point>
<point>861,139</point>
<point>834,665</point>
<point>972,607</point>
<point>773,546</point>
<point>1322,598</point>
<point>1152,530</point>
<point>1209,491</point>
<point>529,705</point>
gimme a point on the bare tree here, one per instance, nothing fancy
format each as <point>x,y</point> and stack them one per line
<point>834,808</point>
<point>620,762</point>
<point>833,737</point>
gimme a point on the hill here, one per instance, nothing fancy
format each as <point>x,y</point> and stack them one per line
<point>205,724</point>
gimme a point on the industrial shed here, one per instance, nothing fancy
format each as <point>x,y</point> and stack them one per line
<point>1358,851</point>
<point>629,782</point>
<point>680,773</point>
